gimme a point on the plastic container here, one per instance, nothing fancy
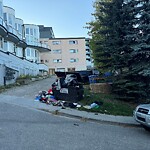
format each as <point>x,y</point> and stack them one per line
<point>92,79</point>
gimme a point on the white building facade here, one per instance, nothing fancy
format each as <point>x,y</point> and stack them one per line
<point>14,45</point>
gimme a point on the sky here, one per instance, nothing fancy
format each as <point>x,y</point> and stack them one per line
<point>68,18</point>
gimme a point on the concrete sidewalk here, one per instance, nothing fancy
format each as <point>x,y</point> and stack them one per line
<point>68,112</point>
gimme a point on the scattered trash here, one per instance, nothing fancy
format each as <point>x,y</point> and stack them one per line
<point>37,98</point>
<point>48,98</point>
<point>76,124</point>
<point>94,105</point>
<point>56,112</point>
<point>78,106</point>
<point>87,107</point>
<point>96,114</point>
<point>50,91</point>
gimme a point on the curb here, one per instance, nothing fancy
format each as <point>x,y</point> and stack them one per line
<point>85,119</point>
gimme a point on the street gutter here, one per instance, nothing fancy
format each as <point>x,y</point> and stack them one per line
<point>85,119</point>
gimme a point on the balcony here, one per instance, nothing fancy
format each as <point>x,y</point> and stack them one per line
<point>43,67</point>
<point>41,47</point>
<point>21,44</point>
<point>88,53</point>
<point>11,34</point>
<point>3,30</point>
<point>12,38</point>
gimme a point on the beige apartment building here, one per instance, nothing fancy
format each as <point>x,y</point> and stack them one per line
<point>67,54</point>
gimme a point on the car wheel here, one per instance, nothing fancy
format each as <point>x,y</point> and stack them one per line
<point>146,128</point>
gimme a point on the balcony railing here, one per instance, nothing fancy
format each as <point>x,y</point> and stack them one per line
<point>39,44</point>
<point>11,29</point>
<point>43,67</point>
<point>2,22</point>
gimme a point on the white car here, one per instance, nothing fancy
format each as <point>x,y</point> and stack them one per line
<point>142,115</point>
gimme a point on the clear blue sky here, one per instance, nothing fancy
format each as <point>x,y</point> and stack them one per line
<point>67,17</point>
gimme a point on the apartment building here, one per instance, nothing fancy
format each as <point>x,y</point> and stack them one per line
<point>19,50</point>
<point>89,57</point>
<point>46,32</point>
<point>67,54</point>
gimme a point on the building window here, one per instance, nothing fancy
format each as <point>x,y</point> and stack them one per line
<point>1,9</point>
<point>73,42</point>
<point>27,30</point>
<point>36,53</point>
<point>56,42</point>
<point>73,50</point>
<point>34,32</point>
<point>1,42</point>
<point>72,60</point>
<point>57,60</point>
<point>46,61</point>
<point>5,16</point>
<point>20,28</point>
<point>28,52</point>
<point>16,26</point>
<point>31,31</point>
<point>32,52</point>
<point>10,19</point>
<point>88,50</point>
<point>42,61</point>
<point>57,51</point>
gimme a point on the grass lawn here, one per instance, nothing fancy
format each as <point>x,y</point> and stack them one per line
<point>109,104</point>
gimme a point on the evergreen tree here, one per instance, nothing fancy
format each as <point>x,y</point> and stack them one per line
<point>133,81</point>
<point>98,27</point>
<point>124,37</point>
<point>121,42</point>
<point>141,50</point>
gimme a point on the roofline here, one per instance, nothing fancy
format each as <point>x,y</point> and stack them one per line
<point>19,18</point>
<point>44,26</point>
<point>66,38</point>
<point>9,7</point>
<point>31,24</point>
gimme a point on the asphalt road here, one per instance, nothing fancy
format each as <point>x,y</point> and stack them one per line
<point>23,128</point>
<point>29,129</point>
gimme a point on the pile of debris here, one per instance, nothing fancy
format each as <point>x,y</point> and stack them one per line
<point>48,98</point>
<point>66,91</point>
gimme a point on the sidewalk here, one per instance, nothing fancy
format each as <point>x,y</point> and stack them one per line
<point>68,112</point>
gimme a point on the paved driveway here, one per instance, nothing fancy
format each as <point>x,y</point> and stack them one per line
<point>32,89</point>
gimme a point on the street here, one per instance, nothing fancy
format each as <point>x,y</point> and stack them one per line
<point>25,128</point>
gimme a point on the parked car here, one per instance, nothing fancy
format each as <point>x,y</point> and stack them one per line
<point>142,115</point>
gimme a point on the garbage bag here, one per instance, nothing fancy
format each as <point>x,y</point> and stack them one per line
<point>71,80</point>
